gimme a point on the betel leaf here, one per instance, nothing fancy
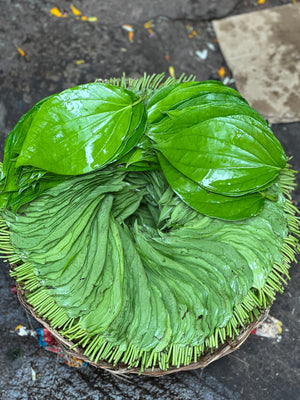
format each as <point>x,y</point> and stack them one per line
<point>140,285</point>
<point>152,258</point>
<point>73,232</point>
<point>12,184</point>
<point>222,156</point>
<point>209,203</point>
<point>32,183</point>
<point>239,116</point>
<point>189,114</point>
<point>15,139</point>
<point>13,146</point>
<point>173,96</point>
<point>138,159</point>
<point>136,129</point>
<point>83,129</point>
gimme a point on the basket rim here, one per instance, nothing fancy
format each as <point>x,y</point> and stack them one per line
<point>71,350</point>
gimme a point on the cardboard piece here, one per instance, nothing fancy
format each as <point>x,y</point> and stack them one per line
<point>262,49</point>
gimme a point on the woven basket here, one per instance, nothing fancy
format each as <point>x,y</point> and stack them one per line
<point>78,352</point>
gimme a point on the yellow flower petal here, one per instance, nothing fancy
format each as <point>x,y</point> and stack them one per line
<point>79,62</point>
<point>261,1</point>
<point>130,36</point>
<point>55,11</point>
<point>151,32</point>
<point>75,10</point>
<point>172,71</point>
<point>221,72</point>
<point>22,52</point>
<point>148,24</point>
<point>92,19</point>
<point>84,18</point>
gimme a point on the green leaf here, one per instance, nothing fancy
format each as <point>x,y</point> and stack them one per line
<point>137,127</point>
<point>128,284</point>
<point>13,145</point>
<point>71,236</point>
<point>138,159</point>
<point>226,96</point>
<point>13,180</point>
<point>31,183</point>
<point>224,155</point>
<point>152,257</point>
<point>15,139</point>
<point>176,95</point>
<point>195,111</point>
<point>83,129</point>
<point>209,203</point>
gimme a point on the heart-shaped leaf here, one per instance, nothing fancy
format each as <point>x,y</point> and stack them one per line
<point>227,155</point>
<point>208,203</point>
<point>173,96</point>
<point>83,129</point>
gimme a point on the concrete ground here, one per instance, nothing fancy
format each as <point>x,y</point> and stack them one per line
<point>63,52</point>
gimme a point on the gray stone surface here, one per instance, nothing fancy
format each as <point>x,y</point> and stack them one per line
<point>262,368</point>
<point>139,10</point>
<point>262,49</point>
<point>114,12</point>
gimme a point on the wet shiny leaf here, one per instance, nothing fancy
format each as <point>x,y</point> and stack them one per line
<point>82,129</point>
<point>212,204</point>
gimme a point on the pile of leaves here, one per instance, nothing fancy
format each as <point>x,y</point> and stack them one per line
<point>148,221</point>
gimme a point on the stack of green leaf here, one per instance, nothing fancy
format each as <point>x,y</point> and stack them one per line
<point>147,221</point>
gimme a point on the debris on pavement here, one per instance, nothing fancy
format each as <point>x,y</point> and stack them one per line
<point>172,71</point>
<point>24,331</point>
<point>211,46</point>
<point>191,31</point>
<point>228,81</point>
<point>202,54</point>
<point>13,289</point>
<point>75,11</point>
<point>34,375</point>
<point>128,28</point>
<point>22,52</point>
<point>89,19</point>
<point>221,72</point>
<point>271,328</point>
<point>130,36</point>
<point>149,25</point>
<point>57,13</point>
<point>48,342</point>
